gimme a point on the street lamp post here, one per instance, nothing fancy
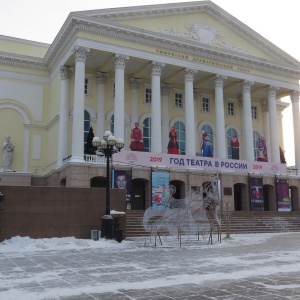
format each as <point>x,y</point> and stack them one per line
<point>108,146</point>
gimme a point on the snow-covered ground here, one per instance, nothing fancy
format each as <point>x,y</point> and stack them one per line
<point>85,269</point>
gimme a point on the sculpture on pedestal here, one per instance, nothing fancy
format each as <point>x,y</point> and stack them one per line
<point>8,153</point>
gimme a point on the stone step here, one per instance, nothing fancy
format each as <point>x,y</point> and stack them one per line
<point>240,222</point>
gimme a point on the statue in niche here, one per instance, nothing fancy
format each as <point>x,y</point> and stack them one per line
<point>8,154</point>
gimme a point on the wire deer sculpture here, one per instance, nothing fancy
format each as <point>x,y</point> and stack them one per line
<point>196,214</point>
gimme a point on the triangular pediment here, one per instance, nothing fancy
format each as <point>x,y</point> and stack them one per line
<point>200,23</point>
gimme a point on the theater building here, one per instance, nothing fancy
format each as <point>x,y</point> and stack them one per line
<point>191,66</point>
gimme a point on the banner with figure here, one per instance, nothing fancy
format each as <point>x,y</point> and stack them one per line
<point>160,188</point>
<point>283,195</point>
<point>256,194</point>
<point>121,179</point>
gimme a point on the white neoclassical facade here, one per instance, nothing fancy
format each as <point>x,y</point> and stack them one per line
<point>189,65</point>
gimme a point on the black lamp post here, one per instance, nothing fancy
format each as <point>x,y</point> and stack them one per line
<point>108,146</point>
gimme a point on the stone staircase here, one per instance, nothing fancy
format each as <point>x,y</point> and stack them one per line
<point>239,222</point>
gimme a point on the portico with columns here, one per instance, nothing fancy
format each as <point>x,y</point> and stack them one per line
<point>161,104</point>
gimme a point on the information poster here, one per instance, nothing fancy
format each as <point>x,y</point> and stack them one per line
<point>256,194</point>
<point>283,196</point>
<point>121,179</point>
<point>160,188</point>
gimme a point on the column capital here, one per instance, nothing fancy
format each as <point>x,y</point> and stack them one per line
<point>80,53</point>
<point>272,91</point>
<point>219,80</point>
<point>295,96</point>
<point>120,60</point>
<point>165,89</point>
<point>101,77</point>
<point>247,85</point>
<point>189,74</point>
<point>156,67</point>
<point>65,72</point>
<point>135,83</point>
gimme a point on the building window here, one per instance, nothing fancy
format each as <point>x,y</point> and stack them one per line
<point>205,104</point>
<point>180,131</point>
<point>230,133</point>
<point>87,125</point>
<point>178,100</point>
<point>87,85</point>
<point>230,108</point>
<point>147,134</point>
<point>254,112</point>
<point>112,124</point>
<point>113,90</point>
<point>148,95</point>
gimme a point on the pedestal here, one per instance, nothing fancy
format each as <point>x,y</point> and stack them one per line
<point>107,229</point>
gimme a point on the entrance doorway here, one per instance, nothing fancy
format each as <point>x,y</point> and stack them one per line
<point>138,194</point>
<point>177,184</point>
<point>266,197</point>
<point>98,182</point>
<point>238,197</point>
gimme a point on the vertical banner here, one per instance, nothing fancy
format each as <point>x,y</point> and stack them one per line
<point>160,185</point>
<point>283,195</point>
<point>121,179</point>
<point>256,194</point>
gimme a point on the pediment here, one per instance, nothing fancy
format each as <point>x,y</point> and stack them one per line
<point>201,23</point>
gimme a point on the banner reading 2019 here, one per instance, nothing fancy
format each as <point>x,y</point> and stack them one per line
<point>198,163</point>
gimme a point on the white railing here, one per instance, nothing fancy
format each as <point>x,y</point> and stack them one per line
<point>94,159</point>
<point>292,171</point>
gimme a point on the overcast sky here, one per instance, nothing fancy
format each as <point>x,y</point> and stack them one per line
<point>277,21</point>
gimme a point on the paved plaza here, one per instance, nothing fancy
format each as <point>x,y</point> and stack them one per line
<point>262,266</point>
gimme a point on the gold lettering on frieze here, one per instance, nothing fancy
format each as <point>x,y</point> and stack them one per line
<point>203,61</point>
<point>243,70</point>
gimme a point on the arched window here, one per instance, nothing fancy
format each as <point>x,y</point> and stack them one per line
<point>87,125</point>
<point>147,134</point>
<point>180,131</point>
<point>230,133</point>
<point>206,128</point>
<point>256,137</point>
<point>112,124</point>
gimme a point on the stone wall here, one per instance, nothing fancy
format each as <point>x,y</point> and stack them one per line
<point>45,212</point>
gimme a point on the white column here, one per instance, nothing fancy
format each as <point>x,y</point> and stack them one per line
<point>190,132</point>
<point>78,109</point>
<point>119,109</point>
<point>296,124</point>
<point>197,93</point>
<point>272,91</point>
<point>220,144</point>
<point>134,89</point>
<point>248,149</point>
<point>101,79</point>
<point>156,145</point>
<point>63,133</point>
<point>165,91</point>
<point>267,136</point>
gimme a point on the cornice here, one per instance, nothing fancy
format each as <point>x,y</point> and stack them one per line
<point>159,40</point>
<point>22,61</point>
<point>124,13</point>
